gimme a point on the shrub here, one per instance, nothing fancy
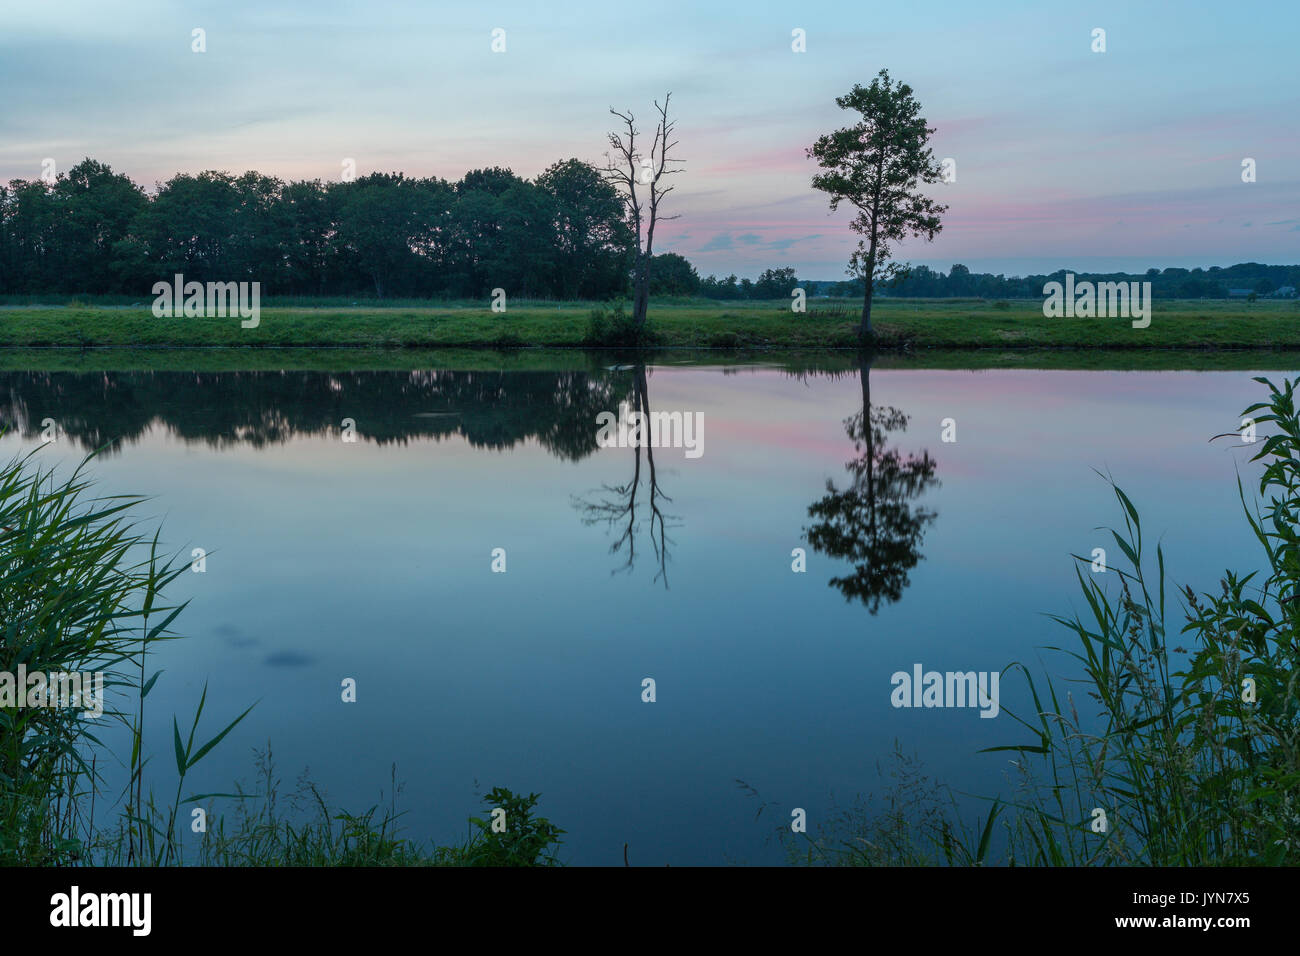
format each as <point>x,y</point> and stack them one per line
<point>612,327</point>
<point>525,841</point>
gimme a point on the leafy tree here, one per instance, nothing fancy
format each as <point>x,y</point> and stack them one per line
<point>30,221</point>
<point>471,236</point>
<point>190,227</point>
<point>877,165</point>
<point>495,180</point>
<point>1197,288</point>
<point>95,210</point>
<point>260,232</point>
<point>776,284</point>
<point>522,259</point>
<point>308,244</point>
<point>386,222</point>
<point>592,243</point>
<point>715,288</point>
<point>960,281</point>
<point>673,275</point>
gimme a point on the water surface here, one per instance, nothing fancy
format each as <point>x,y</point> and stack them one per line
<point>373,560</point>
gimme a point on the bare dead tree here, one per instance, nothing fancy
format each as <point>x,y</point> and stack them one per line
<point>616,506</point>
<point>626,169</point>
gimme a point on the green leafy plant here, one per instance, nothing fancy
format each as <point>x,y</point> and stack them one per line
<point>612,327</point>
<point>526,840</point>
<point>1194,754</point>
<point>80,592</point>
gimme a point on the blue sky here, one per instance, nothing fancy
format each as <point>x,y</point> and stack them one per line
<point>1124,159</point>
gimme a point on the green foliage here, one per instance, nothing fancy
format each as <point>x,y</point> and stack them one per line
<point>928,325</point>
<point>507,341</point>
<point>776,284</point>
<point>672,274</point>
<point>1191,753</point>
<point>526,840</point>
<point>613,327</point>
<point>725,340</point>
<point>878,166</point>
<point>271,827</point>
<point>301,829</point>
<point>1194,755</point>
<point>1189,769</point>
<point>908,823</point>
<point>382,234</point>
<point>79,593</point>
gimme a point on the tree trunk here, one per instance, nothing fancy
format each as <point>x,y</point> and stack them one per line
<point>864,327</point>
<point>868,287</point>
<point>641,300</point>
<point>865,334</point>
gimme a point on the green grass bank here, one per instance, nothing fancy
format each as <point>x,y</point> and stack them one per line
<point>901,325</point>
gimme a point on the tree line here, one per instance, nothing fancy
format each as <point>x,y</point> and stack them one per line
<point>1172,283</point>
<point>564,235</point>
<point>91,230</point>
<point>674,275</point>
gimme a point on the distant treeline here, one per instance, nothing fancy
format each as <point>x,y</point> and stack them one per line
<point>1213,283</point>
<point>563,235</point>
<point>675,275</point>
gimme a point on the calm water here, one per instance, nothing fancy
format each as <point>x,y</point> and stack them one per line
<point>373,560</point>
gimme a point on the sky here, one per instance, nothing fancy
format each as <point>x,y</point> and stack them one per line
<point>1064,157</point>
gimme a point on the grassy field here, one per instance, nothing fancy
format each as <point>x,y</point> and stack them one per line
<point>902,325</point>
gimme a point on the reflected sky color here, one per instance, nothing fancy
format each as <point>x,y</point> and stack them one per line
<point>329,560</point>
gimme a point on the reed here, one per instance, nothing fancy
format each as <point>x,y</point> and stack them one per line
<point>81,589</point>
<point>1187,751</point>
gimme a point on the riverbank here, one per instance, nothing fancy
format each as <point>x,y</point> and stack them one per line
<point>357,359</point>
<point>902,325</point>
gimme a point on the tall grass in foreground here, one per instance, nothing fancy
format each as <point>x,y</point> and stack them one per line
<point>80,592</point>
<point>79,586</point>
<point>1185,756</point>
